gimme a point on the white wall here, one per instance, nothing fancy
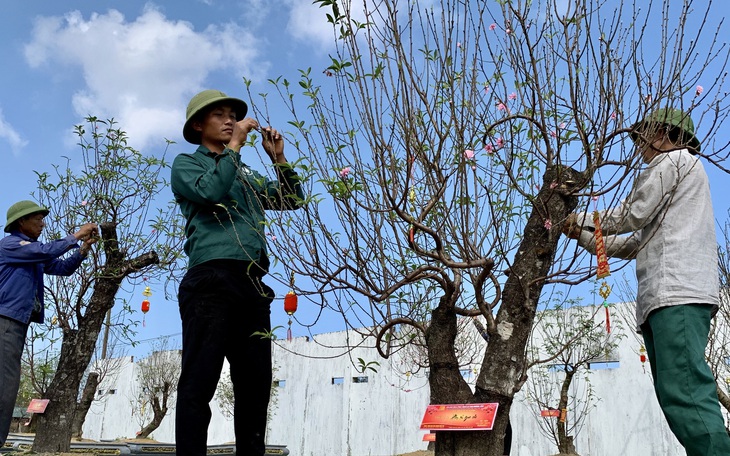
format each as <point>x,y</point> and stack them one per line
<point>314,417</point>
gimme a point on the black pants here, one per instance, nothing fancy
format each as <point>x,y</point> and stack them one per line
<point>222,303</point>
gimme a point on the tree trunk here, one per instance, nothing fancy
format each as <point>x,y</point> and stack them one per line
<point>504,368</point>
<point>565,441</point>
<point>82,408</point>
<point>55,425</point>
<point>446,382</point>
<point>159,411</point>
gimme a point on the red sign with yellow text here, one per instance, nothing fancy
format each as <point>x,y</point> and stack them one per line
<point>460,417</point>
<point>37,405</point>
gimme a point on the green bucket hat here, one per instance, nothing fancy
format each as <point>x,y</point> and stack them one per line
<point>202,101</point>
<point>20,210</point>
<point>679,123</point>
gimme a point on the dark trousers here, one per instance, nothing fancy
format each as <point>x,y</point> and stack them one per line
<point>12,339</point>
<point>675,339</point>
<point>222,304</point>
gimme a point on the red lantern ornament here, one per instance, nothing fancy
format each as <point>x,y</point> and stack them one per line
<point>290,303</point>
<point>290,306</point>
<point>145,302</point>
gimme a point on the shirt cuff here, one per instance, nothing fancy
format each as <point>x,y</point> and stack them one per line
<point>72,241</point>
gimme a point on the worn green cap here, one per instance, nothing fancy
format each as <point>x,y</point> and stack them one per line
<point>20,210</point>
<point>678,122</point>
<point>202,101</point>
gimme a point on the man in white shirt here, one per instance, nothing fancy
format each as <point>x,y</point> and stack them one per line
<point>667,225</point>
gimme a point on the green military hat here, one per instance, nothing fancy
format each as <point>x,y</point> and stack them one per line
<point>201,101</point>
<point>20,210</point>
<point>679,123</point>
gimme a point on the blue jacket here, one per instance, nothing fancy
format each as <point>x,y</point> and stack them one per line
<point>23,262</point>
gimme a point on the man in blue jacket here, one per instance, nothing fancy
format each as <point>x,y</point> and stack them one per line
<point>23,262</point>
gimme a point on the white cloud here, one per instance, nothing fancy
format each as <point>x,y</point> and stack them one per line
<point>9,134</point>
<point>308,22</point>
<point>142,72</point>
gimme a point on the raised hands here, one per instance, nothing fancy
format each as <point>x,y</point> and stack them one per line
<point>273,144</point>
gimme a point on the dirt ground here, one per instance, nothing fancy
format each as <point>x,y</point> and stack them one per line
<point>418,453</point>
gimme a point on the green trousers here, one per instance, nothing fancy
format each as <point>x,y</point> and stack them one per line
<point>675,339</point>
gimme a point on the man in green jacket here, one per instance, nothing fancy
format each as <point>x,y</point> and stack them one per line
<point>222,297</point>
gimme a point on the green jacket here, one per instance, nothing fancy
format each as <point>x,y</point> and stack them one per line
<point>223,202</point>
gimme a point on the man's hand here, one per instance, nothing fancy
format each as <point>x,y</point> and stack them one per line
<point>87,231</point>
<point>241,129</point>
<point>273,144</point>
<point>571,228</point>
<point>86,246</point>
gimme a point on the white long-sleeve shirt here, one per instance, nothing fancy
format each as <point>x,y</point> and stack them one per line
<point>669,216</point>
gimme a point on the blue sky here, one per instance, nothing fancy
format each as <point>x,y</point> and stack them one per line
<point>140,62</point>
